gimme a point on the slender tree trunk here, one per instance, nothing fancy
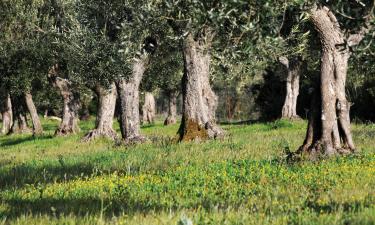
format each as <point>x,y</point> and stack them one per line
<point>128,90</point>
<point>294,69</point>
<point>7,115</point>
<point>199,101</point>
<point>172,108</point>
<point>37,125</point>
<point>149,108</point>
<point>329,130</point>
<point>106,111</point>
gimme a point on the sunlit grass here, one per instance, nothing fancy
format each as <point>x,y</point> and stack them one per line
<point>242,179</point>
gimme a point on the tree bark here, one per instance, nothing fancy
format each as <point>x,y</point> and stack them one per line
<point>7,115</point>
<point>329,131</point>
<point>128,90</point>
<point>19,125</point>
<point>199,100</point>
<point>70,114</point>
<point>294,68</point>
<point>37,125</point>
<point>106,111</point>
<point>149,108</point>
<point>172,108</point>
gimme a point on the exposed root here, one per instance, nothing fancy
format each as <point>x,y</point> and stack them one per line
<point>192,131</point>
<point>65,131</point>
<point>170,120</point>
<point>98,133</point>
<point>318,151</point>
<point>131,141</point>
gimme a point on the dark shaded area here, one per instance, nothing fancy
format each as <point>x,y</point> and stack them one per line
<point>17,141</point>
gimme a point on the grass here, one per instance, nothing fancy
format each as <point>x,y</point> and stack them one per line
<point>242,179</point>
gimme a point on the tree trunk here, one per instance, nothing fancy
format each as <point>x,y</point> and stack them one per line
<point>172,108</point>
<point>128,90</point>
<point>19,125</point>
<point>106,111</point>
<point>69,123</point>
<point>7,115</point>
<point>37,125</point>
<point>329,130</point>
<point>199,101</point>
<point>149,108</point>
<point>294,68</point>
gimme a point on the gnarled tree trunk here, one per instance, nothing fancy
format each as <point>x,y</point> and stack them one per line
<point>7,115</point>
<point>37,125</point>
<point>149,108</point>
<point>329,130</point>
<point>128,90</point>
<point>19,125</point>
<point>172,108</point>
<point>106,111</point>
<point>69,123</point>
<point>294,69</point>
<point>199,100</point>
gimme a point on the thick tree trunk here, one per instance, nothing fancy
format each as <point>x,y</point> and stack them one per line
<point>19,125</point>
<point>199,101</point>
<point>7,115</point>
<point>149,108</point>
<point>69,123</point>
<point>106,111</point>
<point>70,114</point>
<point>294,68</point>
<point>37,125</point>
<point>172,108</point>
<point>128,90</point>
<point>329,130</point>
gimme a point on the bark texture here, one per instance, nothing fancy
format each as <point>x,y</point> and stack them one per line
<point>199,100</point>
<point>294,69</point>
<point>19,125</point>
<point>70,114</point>
<point>106,111</point>
<point>7,115</point>
<point>149,108</point>
<point>128,90</point>
<point>37,125</point>
<point>329,131</point>
<point>172,108</point>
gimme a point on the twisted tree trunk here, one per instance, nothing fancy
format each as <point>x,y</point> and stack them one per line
<point>128,90</point>
<point>199,101</point>
<point>149,108</point>
<point>172,108</point>
<point>7,115</point>
<point>329,130</point>
<point>106,111</point>
<point>37,125</point>
<point>294,68</point>
<point>70,114</point>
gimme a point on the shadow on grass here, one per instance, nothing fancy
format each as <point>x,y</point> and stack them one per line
<point>20,175</point>
<point>128,204</point>
<point>20,140</point>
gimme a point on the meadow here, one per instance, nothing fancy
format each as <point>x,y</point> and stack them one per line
<point>242,179</point>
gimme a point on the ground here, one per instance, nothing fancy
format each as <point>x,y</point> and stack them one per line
<point>242,179</point>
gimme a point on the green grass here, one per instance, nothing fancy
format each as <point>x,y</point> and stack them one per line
<point>242,179</point>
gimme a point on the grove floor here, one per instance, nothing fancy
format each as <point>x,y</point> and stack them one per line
<point>242,179</point>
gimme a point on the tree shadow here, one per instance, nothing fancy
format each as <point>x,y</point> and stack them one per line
<point>20,140</point>
<point>244,122</point>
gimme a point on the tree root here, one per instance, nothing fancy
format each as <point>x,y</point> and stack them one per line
<point>98,133</point>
